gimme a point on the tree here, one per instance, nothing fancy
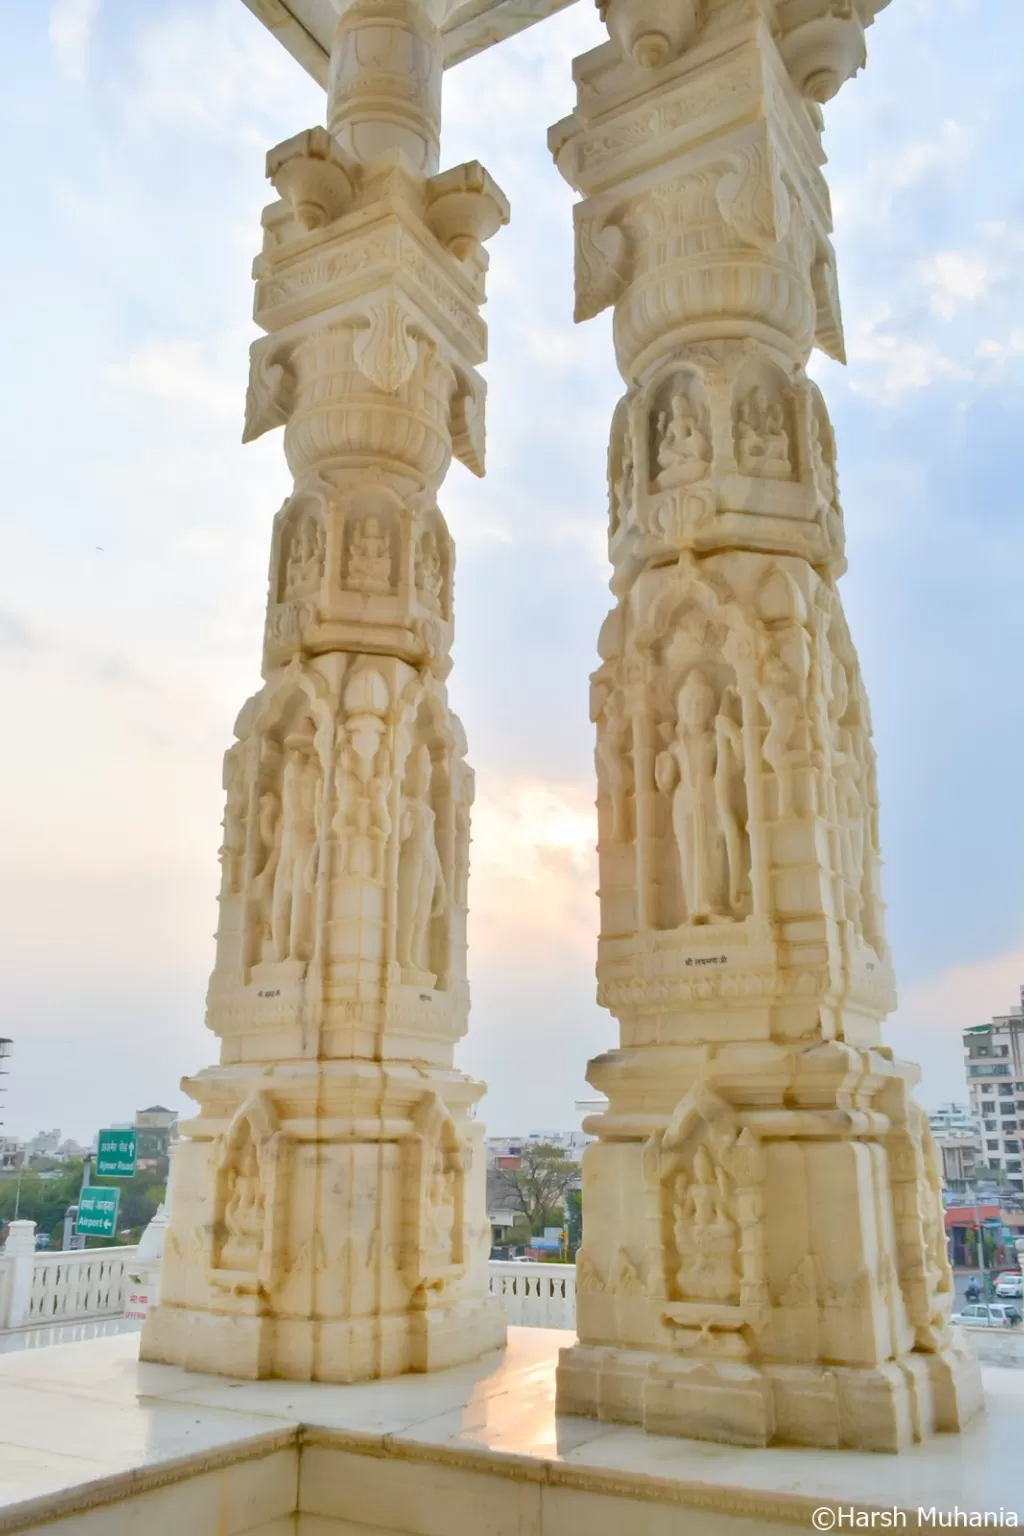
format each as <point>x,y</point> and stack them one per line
<point>538,1186</point>
<point>573,1222</point>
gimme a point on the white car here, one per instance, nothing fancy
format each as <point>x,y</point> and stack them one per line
<point>1010,1287</point>
<point>987,1315</point>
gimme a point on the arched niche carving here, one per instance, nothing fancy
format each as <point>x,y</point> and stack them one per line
<point>433,565</point>
<point>299,549</point>
<point>679,430</point>
<point>288,735</point>
<point>426,849</point>
<point>764,422</point>
<point>372,542</point>
<point>704,1193</point>
<point>249,1211</point>
<point>434,1224</point>
<point>621,468</point>
<point>699,702</point>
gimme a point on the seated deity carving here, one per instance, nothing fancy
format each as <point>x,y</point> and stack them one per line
<point>245,1210</point>
<point>429,575</point>
<point>369,557</point>
<point>305,562</point>
<point>762,442</point>
<point>700,769</point>
<point>683,447</point>
<point>421,885</point>
<point>706,1236</point>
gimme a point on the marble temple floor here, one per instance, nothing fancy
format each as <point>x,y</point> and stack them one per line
<point>95,1443</point>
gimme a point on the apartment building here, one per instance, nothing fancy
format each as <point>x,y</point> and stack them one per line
<point>994,1059</point>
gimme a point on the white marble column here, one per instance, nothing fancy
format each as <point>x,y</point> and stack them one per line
<point>328,1215</point>
<point>764,1256</point>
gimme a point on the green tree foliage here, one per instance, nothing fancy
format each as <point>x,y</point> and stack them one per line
<point>574,1221</point>
<point>44,1201</point>
<point>538,1186</point>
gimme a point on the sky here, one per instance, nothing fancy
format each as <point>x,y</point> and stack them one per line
<point>136,530</point>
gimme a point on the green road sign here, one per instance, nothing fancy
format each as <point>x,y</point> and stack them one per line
<point>115,1154</point>
<point>97,1211</point>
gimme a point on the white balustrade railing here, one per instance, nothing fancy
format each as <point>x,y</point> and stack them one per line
<point>535,1295</point>
<point>41,1288</point>
<point>88,1282</point>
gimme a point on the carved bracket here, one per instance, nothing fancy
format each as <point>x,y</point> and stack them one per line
<point>602,263</point>
<point>386,350</point>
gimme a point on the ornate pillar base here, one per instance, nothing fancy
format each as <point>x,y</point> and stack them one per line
<point>884,1409</point>
<point>368,1256</point>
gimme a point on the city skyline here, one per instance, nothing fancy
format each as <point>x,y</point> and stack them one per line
<point>146,526</point>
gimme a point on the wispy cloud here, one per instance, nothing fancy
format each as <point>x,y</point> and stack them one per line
<point>180,371</point>
<point>71,25</point>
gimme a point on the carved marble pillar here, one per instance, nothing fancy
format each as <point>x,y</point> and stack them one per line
<point>764,1256</point>
<point>328,1218</point>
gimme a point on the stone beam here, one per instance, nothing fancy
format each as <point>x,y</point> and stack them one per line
<point>305,27</point>
<point>764,1253</point>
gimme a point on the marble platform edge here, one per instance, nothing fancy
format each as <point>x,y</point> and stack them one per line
<point>584,1477</point>
<point>113,1489</point>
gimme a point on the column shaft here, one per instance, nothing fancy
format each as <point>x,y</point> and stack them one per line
<point>764,1255</point>
<point>328,1218</point>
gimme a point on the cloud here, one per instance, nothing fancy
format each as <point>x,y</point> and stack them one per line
<point>71,24</point>
<point>933,1012</point>
<point>179,371</point>
<point>17,634</point>
<point>899,361</point>
<point>534,869</point>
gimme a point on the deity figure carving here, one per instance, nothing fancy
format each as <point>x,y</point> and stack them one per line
<point>781,702</point>
<point>612,754</point>
<point>850,785</point>
<point>369,557</point>
<point>762,442</point>
<point>439,1211</point>
<point>429,574</point>
<point>245,1208</point>
<point>462,829</point>
<point>622,478</point>
<point>706,1236</point>
<point>305,561</point>
<point>823,471</point>
<point>682,443</point>
<point>363,817</point>
<point>232,852</point>
<point>699,769</point>
<point>297,843</point>
<point>421,884</point>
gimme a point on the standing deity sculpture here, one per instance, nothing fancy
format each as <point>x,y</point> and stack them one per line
<point>291,922</point>
<point>429,575</point>
<point>682,442</point>
<point>369,557</point>
<point>362,817</point>
<point>782,704</point>
<point>421,884</point>
<point>823,471</point>
<point>762,442</point>
<point>232,852</point>
<point>698,769</point>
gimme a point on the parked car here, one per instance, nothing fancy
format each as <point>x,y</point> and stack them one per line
<point>1010,1286</point>
<point>990,1315</point>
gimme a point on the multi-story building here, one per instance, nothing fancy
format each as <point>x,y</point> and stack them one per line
<point>156,1129</point>
<point>955,1130</point>
<point>994,1058</point>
